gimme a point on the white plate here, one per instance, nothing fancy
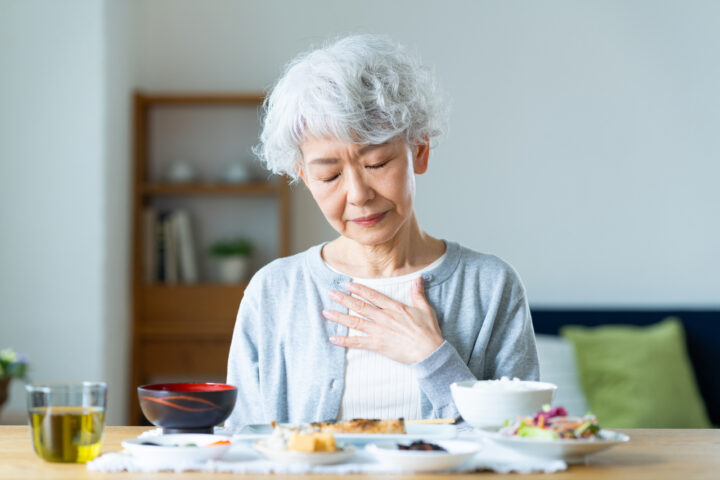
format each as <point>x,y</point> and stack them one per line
<point>166,452</point>
<point>315,458</point>
<point>427,432</point>
<point>571,450</point>
<point>422,461</point>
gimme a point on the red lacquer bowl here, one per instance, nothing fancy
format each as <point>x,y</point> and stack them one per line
<point>187,407</point>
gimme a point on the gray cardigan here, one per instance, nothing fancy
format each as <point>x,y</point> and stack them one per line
<point>286,369</point>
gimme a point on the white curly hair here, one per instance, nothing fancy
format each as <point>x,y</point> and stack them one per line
<point>364,89</point>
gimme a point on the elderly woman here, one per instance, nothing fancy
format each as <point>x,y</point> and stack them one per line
<point>378,322</point>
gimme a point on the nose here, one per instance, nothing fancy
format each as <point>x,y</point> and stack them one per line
<point>359,192</point>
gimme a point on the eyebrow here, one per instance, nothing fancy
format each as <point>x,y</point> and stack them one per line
<point>362,151</point>
<point>370,147</point>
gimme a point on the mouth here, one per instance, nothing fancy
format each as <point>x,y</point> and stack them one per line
<point>369,220</point>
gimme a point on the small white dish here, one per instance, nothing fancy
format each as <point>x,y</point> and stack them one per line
<point>569,450</point>
<point>458,452</point>
<point>171,448</point>
<point>427,432</point>
<point>292,457</point>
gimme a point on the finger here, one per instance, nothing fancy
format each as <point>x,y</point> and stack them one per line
<point>351,321</point>
<point>418,294</point>
<point>372,296</point>
<point>357,305</point>
<point>364,343</point>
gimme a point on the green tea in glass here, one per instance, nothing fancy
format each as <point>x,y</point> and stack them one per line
<point>67,420</point>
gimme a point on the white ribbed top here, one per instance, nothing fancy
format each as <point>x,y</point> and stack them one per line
<point>375,386</point>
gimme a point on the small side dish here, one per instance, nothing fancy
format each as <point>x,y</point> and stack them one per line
<point>424,457</point>
<point>182,447</point>
<point>183,444</point>
<point>302,444</point>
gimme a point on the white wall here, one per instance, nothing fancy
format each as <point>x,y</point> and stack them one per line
<point>64,162</point>
<point>51,200</point>
<point>119,81</point>
<point>582,138</point>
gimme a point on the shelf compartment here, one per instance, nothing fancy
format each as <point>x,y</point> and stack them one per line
<point>189,357</point>
<point>185,330</point>
<point>254,188</point>
<point>203,304</point>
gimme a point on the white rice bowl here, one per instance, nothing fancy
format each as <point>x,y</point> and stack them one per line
<point>489,403</point>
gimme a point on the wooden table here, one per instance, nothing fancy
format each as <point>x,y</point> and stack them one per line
<point>656,454</point>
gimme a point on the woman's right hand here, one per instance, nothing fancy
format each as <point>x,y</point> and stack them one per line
<point>406,334</point>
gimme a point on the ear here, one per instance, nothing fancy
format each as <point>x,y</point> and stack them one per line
<point>301,172</point>
<point>421,156</point>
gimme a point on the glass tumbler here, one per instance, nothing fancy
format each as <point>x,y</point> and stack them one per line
<point>67,420</point>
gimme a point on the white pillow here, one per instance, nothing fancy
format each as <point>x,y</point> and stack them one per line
<point>558,365</point>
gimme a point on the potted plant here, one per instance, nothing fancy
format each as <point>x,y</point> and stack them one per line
<point>12,366</point>
<point>233,258</point>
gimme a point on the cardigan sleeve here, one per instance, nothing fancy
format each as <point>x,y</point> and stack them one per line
<point>511,351</point>
<point>435,374</point>
<point>243,366</point>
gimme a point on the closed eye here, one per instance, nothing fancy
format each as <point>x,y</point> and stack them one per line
<point>379,165</point>
<point>331,179</point>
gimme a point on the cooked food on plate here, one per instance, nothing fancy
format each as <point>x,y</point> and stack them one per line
<point>301,438</point>
<point>318,436</point>
<point>422,446</point>
<point>363,425</point>
<point>311,442</point>
<point>553,424</point>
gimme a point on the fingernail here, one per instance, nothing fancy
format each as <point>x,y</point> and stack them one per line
<point>334,294</point>
<point>327,313</point>
<point>349,285</point>
<point>333,339</point>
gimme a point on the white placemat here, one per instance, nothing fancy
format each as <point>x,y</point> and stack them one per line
<point>243,459</point>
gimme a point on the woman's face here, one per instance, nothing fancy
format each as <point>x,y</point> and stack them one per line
<point>366,192</point>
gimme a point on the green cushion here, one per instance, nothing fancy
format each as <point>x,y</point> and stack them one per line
<point>638,377</point>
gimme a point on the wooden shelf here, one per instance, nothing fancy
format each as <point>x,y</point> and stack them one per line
<point>201,287</point>
<point>181,330</point>
<point>241,189</point>
<point>197,98</point>
<point>187,331</point>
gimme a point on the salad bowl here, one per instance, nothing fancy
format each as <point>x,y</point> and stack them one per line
<point>569,450</point>
<point>552,434</point>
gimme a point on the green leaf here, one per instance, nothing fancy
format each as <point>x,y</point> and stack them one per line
<point>535,432</point>
<point>227,248</point>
